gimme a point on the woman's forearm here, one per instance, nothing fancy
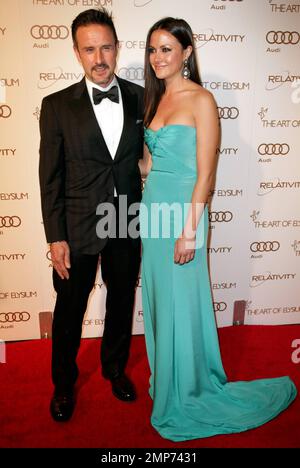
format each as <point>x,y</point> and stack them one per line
<point>199,199</point>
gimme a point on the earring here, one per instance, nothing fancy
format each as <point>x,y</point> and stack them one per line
<point>186,73</point>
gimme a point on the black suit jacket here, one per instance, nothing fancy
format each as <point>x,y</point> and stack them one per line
<point>76,170</point>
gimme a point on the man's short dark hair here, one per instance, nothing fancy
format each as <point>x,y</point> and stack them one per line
<point>93,16</point>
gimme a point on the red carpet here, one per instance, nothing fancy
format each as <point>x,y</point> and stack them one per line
<point>101,421</point>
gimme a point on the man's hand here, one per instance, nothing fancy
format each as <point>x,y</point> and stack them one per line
<point>60,256</point>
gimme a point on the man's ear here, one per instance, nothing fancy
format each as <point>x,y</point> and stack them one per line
<point>76,51</point>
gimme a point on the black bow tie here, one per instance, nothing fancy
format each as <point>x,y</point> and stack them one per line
<point>112,94</point>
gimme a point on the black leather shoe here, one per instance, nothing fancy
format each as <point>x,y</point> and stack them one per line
<point>122,388</point>
<point>62,406</point>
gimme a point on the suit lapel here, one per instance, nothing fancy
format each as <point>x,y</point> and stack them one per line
<point>88,125</point>
<point>129,111</point>
<point>83,110</point>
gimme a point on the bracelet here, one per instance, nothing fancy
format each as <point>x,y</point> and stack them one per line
<point>56,242</point>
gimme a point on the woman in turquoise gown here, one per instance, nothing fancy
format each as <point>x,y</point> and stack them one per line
<point>191,395</point>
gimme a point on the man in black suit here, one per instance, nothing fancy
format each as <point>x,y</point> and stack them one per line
<point>91,141</point>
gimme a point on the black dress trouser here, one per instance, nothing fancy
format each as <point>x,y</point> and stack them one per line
<point>120,263</point>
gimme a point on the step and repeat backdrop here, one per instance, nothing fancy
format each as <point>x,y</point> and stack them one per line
<point>248,54</point>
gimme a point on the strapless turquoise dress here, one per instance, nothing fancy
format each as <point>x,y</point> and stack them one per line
<point>188,385</point>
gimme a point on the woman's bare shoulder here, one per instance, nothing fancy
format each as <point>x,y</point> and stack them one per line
<point>203,102</point>
<point>203,95</point>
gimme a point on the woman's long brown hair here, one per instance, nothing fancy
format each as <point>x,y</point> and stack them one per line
<point>154,88</point>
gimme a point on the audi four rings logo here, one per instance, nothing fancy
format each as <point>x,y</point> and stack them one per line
<point>220,306</point>
<point>228,112</point>
<point>10,221</point>
<point>220,216</point>
<point>283,37</point>
<point>49,31</point>
<point>132,73</point>
<point>273,148</point>
<point>48,255</point>
<point>5,111</point>
<point>268,246</point>
<point>14,317</point>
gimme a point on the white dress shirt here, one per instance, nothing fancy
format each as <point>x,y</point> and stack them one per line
<point>109,116</point>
